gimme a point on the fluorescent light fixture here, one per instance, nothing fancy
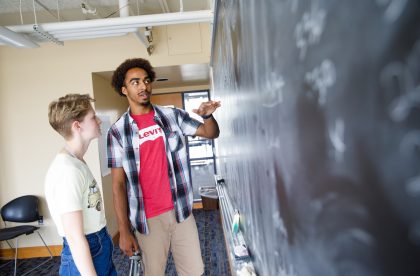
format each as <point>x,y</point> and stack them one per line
<point>45,35</point>
<point>15,39</point>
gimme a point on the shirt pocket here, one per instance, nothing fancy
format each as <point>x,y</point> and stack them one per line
<point>175,141</point>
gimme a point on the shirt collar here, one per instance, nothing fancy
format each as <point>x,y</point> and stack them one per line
<point>156,117</point>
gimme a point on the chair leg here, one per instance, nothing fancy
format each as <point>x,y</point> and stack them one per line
<point>49,259</point>
<point>16,253</point>
<point>49,251</point>
<point>10,245</point>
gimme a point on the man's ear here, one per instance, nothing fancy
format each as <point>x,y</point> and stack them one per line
<point>124,90</point>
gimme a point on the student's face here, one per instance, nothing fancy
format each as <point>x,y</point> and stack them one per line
<point>90,125</point>
<point>137,87</point>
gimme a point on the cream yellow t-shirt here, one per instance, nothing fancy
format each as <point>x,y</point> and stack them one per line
<point>70,186</point>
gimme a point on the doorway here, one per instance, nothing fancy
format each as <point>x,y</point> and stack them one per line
<point>201,153</point>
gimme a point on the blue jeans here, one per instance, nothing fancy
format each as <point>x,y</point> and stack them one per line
<point>101,247</point>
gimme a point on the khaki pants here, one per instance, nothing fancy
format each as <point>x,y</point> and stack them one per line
<point>181,238</point>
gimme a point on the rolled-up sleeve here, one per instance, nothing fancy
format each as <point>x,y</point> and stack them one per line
<point>187,124</point>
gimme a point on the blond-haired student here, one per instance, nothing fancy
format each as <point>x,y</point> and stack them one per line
<point>72,193</point>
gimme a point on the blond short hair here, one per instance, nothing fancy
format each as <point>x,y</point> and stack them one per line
<point>64,111</point>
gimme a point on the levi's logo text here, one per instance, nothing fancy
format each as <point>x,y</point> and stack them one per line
<point>150,133</point>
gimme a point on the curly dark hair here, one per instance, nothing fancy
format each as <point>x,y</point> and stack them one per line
<point>119,73</point>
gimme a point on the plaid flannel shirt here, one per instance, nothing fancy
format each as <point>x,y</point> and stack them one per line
<point>123,144</point>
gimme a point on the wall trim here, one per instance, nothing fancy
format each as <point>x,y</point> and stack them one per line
<point>31,252</point>
<point>198,205</point>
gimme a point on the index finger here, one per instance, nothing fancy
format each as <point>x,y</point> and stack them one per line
<point>136,248</point>
<point>136,245</point>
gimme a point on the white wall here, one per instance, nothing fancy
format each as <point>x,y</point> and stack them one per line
<point>31,78</point>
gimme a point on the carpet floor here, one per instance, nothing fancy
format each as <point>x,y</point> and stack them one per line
<point>212,244</point>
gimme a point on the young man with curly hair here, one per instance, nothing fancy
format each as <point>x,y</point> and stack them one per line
<point>153,196</point>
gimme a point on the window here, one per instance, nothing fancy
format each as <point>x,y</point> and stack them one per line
<point>200,150</point>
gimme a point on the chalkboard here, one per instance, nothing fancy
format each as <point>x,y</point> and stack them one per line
<point>320,132</point>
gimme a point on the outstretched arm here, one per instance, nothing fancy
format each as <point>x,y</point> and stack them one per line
<point>128,242</point>
<point>210,128</point>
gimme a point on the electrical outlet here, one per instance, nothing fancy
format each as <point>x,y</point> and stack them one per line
<point>40,220</point>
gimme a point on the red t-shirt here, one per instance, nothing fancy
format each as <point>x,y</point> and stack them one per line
<point>153,173</point>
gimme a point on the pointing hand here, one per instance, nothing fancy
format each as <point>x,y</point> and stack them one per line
<point>207,108</point>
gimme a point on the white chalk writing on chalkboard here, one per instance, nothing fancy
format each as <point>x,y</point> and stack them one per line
<point>400,108</point>
<point>321,78</point>
<point>393,8</point>
<point>309,30</point>
<point>399,79</point>
<point>274,90</point>
<point>336,135</point>
<point>357,234</point>
<point>278,224</point>
<point>298,131</point>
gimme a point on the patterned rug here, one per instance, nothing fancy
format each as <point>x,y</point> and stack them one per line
<point>212,243</point>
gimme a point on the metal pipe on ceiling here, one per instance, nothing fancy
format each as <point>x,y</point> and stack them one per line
<point>124,8</point>
<point>164,6</point>
<point>87,34</point>
<point>92,36</point>
<point>16,40</point>
<point>122,22</point>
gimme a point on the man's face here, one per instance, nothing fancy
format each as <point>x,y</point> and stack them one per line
<point>137,87</point>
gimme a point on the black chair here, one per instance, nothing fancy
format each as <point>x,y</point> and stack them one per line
<point>23,209</point>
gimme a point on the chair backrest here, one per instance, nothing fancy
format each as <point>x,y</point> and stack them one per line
<point>21,209</point>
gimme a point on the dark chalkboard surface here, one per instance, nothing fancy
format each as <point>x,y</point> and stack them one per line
<point>320,132</point>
